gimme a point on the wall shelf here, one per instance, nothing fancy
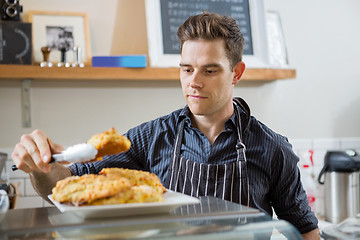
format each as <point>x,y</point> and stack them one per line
<point>20,72</point>
<point>28,73</point>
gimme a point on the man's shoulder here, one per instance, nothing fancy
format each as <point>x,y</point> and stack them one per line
<point>265,134</point>
<point>257,133</point>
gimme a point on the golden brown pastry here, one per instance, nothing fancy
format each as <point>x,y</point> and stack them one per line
<point>111,186</point>
<point>109,142</point>
<point>137,194</point>
<point>136,177</point>
<point>79,190</point>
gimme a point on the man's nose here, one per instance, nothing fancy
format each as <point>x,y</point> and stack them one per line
<point>196,80</point>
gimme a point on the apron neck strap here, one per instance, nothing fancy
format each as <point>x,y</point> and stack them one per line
<point>179,137</point>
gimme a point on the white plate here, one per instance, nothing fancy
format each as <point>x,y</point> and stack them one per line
<point>170,201</point>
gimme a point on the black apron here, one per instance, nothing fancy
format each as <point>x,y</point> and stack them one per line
<point>226,181</point>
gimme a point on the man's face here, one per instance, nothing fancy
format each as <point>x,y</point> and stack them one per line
<point>206,80</point>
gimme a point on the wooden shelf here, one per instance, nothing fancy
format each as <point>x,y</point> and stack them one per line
<point>20,72</point>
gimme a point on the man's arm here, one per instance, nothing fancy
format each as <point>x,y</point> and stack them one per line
<point>312,235</point>
<point>43,183</point>
<point>288,196</point>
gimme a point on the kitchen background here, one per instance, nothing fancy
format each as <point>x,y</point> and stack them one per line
<point>319,110</point>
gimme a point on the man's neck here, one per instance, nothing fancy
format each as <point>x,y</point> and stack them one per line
<point>211,126</point>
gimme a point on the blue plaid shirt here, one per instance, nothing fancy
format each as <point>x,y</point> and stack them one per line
<point>272,165</point>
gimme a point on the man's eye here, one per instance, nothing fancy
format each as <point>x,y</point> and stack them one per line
<point>210,71</point>
<point>187,70</point>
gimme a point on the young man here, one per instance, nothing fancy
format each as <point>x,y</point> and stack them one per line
<point>213,146</point>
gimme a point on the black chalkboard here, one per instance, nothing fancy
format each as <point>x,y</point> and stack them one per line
<point>175,12</point>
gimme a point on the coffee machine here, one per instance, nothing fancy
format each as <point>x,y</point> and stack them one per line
<point>341,181</point>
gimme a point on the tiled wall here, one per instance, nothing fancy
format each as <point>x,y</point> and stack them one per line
<point>29,198</point>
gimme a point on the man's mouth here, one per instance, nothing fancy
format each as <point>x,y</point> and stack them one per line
<point>196,96</point>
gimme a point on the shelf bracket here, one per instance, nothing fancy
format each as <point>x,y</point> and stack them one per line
<point>25,103</point>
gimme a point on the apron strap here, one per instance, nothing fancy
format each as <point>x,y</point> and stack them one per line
<point>176,153</point>
<point>241,157</point>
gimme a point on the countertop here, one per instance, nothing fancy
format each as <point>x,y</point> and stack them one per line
<point>212,218</point>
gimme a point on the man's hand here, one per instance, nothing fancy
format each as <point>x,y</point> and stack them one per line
<point>34,151</point>
<point>312,235</point>
<point>32,155</point>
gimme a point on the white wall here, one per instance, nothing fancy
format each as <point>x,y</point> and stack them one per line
<point>323,44</point>
<point>322,37</point>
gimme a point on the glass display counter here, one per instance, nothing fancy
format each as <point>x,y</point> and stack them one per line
<point>212,218</point>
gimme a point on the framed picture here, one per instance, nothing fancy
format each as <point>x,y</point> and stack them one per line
<point>278,57</point>
<point>60,30</point>
<point>163,17</point>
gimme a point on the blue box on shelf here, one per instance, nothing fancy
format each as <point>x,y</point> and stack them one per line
<point>127,61</point>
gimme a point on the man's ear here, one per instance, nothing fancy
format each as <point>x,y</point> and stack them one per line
<point>238,71</point>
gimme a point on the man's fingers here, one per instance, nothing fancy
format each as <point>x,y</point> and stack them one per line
<point>33,152</point>
<point>42,144</point>
<point>34,157</point>
<point>22,159</point>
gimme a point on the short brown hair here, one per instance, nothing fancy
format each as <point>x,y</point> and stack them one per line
<point>212,26</point>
